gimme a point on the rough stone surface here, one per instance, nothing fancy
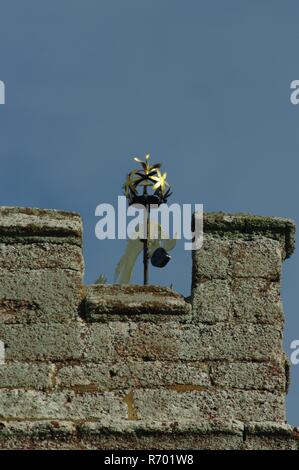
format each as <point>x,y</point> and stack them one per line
<point>162,435</point>
<point>197,342</point>
<point>270,442</point>
<point>230,342</point>
<point>42,342</point>
<point>133,300</point>
<point>40,256</point>
<point>211,301</point>
<point>133,374</point>
<point>256,301</point>
<point>260,257</point>
<point>250,375</point>
<point>98,341</point>
<point>237,257</point>
<point>27,225</point>
<point>269,435</point>
<point>65,405</point>
<point>134,367</point>
<point>212,261</point>
<point>247,300</point>
<point>29,376</point>
<point>48,293</point>
<point>241,405</point>
<point>246,225</point>
<point>38,435</point>
<point>121,434</point>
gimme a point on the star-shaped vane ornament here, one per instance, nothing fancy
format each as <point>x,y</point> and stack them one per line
<point>146,185</point>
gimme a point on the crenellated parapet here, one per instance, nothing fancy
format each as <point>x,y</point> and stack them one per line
<point>110,366</point>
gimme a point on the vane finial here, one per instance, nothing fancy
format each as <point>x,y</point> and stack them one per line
<point>146,185</point>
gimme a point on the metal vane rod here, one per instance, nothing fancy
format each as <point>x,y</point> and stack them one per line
<point>146,247</point>
<point>146,240</point>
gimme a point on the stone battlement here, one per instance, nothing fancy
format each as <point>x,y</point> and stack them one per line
<point>110,366</point>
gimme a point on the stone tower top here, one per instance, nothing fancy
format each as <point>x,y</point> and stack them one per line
<point>111,366</point>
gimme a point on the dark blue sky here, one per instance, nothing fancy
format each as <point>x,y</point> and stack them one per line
<point>203,85</point>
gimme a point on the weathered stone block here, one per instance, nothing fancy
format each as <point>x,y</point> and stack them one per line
<point>259,257</point>
<point>98,341</point>
<point>256,300</point>
<point>28,256</point>
<point>120,434</point>
<point>129,300</point>
<point>87,377</point>
<point>42,342</point>
<point>147,434</point>
<point>86,406</point>
<point>146,341</point>
<point>212,260</point>
<point>41,265</point>
<point>249,375</point>
<point>44,295</point>
<point>133,374</point>
<point>37,435</point>
<point>211,301</point>
<point>246,225</point>
<point>123,434</point>
<point>241,405</point>
<point>230,342</point>
<point>29,376</point>
<point>270,442</point>
<point>150,373</point>
<point>24,225</point>
<point>172,341</point>
<point>270,436</point>
<point>31,404</point>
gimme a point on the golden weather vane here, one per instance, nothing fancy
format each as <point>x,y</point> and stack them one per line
<point>146,186</point>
